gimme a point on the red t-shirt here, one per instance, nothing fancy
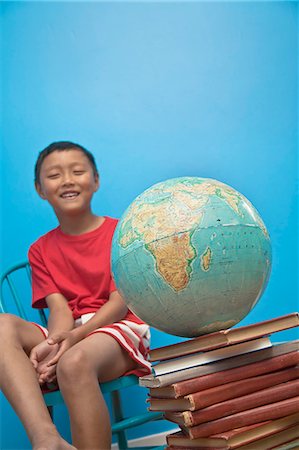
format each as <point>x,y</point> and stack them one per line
<point>77,267</point>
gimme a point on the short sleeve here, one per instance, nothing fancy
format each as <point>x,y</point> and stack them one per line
<point>42,282</point>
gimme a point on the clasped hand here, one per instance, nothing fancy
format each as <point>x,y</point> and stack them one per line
<point>45,355</point>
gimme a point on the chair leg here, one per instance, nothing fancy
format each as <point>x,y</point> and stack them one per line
<point>118,415</point>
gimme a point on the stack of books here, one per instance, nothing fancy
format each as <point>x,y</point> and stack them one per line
<point>229,389</point>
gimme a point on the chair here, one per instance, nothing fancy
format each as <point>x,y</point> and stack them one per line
<point>16,280</point>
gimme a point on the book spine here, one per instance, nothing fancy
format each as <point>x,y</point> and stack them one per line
<point>267,412</point>
<point>238,388</point>
<point>233,406</point>
<point>193,385</point>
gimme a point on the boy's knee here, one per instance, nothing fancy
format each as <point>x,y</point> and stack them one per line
<point>8,324</point>
<point>72,366</point>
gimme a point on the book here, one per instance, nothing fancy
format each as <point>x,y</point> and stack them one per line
<point>223,392</point>
<point>234,438</point>
<point>282,437</point>
<point>179,447</point>
<point>284,440</point>
<point>175,447</point>
<point>271,411</point>
<point>294,444</point>
<point>152,381</point>
<point>264,397</point>
<point>225,337</point>
<point>197,359</point>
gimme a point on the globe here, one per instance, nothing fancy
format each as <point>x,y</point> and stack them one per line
<point>191,256</point>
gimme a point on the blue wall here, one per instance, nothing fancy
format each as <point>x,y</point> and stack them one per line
<point>155,90</point>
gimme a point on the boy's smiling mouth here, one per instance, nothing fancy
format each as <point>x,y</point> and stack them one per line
<point>69,195</point>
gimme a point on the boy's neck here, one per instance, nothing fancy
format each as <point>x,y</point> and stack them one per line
<point>74,226</point>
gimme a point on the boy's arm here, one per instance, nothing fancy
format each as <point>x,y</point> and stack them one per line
<point>60,317</point>
<point>112,311</point>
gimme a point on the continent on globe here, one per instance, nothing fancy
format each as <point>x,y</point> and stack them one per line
<point>191,256</point>
<point>174,255</point>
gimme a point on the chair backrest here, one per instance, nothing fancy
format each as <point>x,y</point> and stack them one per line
<point>14,283</point>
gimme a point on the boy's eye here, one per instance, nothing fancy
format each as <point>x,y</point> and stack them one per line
<point>79,172</point>
<point>52,176</point>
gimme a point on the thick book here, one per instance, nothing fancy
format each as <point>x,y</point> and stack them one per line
<point>264,397</point>
<point>225,337</point>
<point>167,379</point>
<point>234,438</point>
<point>223,392</point>
<point>283,440</point>
<point>198,359</point>
<point>276,440</point>
<point>271,411</point>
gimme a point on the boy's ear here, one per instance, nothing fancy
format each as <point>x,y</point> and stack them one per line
<point>97,181</point>
<point>39,190</point>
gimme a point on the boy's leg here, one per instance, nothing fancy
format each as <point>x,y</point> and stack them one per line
<point>98,357</point>
<point>18,381</point>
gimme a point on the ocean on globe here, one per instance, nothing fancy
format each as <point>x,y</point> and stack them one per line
<point>191,256</point>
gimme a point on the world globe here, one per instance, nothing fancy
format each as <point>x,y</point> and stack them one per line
<point>191,256</point>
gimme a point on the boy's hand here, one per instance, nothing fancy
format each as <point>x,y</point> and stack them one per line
<point>63,341</point>
<point>39,356</point>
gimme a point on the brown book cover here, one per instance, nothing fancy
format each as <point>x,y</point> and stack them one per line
<point>197,359</point>
<point>275,440</point>
<point>235,405</point>
<point>227,391</point>
<point>284,440</point>
<point>179,447</point>
<point>293,444</point>
<point>266,412</point>
<point>225,337</point>
<point>264,361</point>
<point>234,438</point>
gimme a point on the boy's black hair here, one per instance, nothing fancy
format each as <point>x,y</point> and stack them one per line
<point>61,146</point>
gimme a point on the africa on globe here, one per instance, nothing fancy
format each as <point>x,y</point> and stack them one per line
<point>191,256</point>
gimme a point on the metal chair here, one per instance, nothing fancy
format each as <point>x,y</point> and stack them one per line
<point>15,285</point>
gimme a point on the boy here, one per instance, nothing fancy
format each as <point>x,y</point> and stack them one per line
<point>91,336</point>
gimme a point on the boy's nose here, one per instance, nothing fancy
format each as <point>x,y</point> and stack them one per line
<point>67,180</point>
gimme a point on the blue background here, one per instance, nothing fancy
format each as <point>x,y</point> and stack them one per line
<point>155,91</point>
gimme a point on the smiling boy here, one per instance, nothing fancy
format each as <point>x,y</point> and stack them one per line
<point>91,335</point>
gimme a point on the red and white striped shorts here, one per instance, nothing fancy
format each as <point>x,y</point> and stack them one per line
<point>134,338</point>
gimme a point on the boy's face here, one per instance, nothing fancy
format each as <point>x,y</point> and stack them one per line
<point>67,182</point>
